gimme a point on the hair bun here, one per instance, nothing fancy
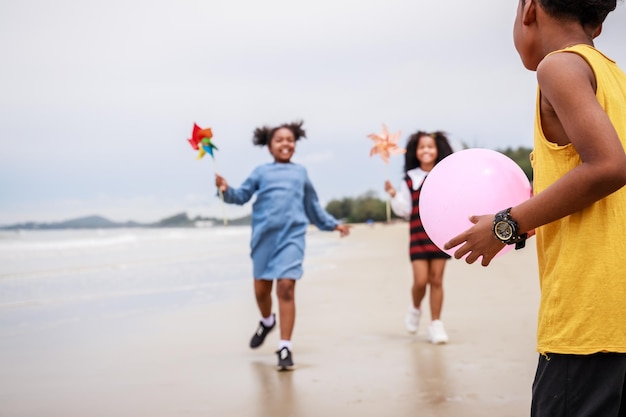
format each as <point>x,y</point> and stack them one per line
<point>262,136</point>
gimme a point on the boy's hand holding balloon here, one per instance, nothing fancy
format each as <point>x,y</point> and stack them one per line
<point>458,196</point>
<point>476,241</point>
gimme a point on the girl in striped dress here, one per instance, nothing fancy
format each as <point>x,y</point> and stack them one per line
<point>423,151</point>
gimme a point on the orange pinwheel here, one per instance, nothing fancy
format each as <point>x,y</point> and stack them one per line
<point>385,144</point>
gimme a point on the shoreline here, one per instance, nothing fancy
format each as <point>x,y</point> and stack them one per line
<point>352,353</point>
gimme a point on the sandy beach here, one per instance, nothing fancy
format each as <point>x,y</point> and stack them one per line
<point>353,356</point>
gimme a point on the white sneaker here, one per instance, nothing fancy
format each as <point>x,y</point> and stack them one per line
<point>412,320</point>
<point>436,333</point>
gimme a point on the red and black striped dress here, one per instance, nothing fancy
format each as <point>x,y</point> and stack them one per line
<point>421,246</point>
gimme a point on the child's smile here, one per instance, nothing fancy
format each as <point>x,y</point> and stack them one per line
<point>427,152</point>
<point>283,145</point>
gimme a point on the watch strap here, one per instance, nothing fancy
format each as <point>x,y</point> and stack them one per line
<point>518,240</point>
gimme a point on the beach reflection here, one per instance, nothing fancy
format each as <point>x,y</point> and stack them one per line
<point>431,374</point>
<point>275,391</point>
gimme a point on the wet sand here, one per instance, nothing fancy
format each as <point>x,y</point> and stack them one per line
<point>353,356</point>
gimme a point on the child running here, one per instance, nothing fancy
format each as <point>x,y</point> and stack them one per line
<point>578,211</point>
<point>423,151</point>
<point>285,204</point>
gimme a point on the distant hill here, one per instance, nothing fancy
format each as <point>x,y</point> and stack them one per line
<point>99,222</point>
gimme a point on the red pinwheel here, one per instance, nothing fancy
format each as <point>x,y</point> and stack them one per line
<point>201,141</point>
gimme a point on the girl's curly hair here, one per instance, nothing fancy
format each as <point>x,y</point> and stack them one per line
<point>263,135</point>
<point>410,157</point>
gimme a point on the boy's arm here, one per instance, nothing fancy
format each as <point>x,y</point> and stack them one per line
<point>570,114</point>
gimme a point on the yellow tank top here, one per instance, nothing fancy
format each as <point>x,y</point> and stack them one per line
<point>582,257</point>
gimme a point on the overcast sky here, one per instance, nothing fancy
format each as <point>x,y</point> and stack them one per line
<point>97,98</point>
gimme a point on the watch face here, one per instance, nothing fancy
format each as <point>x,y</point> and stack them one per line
<point>503,230</point>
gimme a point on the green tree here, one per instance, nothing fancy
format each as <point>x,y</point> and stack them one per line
<point>521,156</point>
<point>368,207</point>
<point>340,209</point>
<point>365,207</point>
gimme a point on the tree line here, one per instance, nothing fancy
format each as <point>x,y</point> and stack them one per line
<point>368,206</point>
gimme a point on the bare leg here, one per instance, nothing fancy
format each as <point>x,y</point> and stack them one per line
<point>263,294</point>
<point>420,279</point>
<point>435,280</point>
<point>285,291</point>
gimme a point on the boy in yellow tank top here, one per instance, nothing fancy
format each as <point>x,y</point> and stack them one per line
<point>578,211</point>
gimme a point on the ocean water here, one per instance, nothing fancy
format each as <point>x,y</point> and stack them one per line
<point>51,277</point>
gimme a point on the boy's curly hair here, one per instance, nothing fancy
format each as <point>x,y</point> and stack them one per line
<point>410,157</point>
<point>586,12</point>
<point>263,135</point>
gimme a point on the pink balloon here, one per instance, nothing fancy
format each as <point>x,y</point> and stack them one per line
<point>469,182</point>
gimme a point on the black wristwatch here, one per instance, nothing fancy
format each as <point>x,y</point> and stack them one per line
<point>506,229</point>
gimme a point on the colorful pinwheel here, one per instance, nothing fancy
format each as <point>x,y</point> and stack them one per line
<point>201,141</point>
<point>385,145</point>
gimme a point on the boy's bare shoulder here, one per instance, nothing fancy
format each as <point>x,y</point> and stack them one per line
<point>564,64</point>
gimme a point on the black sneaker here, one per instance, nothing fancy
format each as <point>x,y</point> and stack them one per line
<point>259,336</point>
<point>284,359</point>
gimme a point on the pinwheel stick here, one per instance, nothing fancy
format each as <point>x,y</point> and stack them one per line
<point>385,145</point>
<point>388,196</point>
<point>221,196</point>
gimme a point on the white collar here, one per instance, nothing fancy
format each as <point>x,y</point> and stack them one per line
<point>417,176</point>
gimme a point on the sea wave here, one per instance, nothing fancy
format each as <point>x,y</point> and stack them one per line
<point>93,238</point>
<point>54,276</point>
